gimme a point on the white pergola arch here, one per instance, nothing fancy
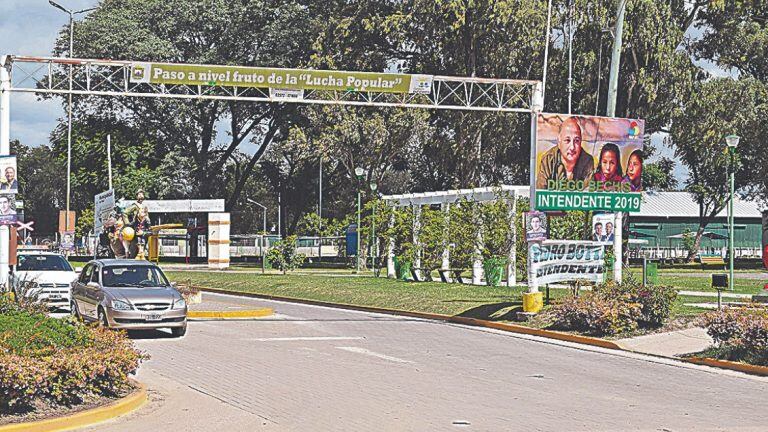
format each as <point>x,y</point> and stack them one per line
<point>445,199</point>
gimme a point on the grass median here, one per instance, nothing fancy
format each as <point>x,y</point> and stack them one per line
<point>472,301</point>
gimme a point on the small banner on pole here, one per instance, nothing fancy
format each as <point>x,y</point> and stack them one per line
<point>104,204</point>
<point>560,261</point>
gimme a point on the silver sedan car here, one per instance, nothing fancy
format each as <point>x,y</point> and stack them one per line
<point>128,294</point>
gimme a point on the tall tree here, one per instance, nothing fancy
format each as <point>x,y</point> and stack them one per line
<point>276,33</point>
<point>717,108</point>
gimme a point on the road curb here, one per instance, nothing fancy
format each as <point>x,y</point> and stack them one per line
<point>240,314</point>
<point>725,364</point>
<point>513,328</point>
<point>123,406</point>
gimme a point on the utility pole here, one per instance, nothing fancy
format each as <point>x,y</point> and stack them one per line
<point>71,54</point>
<point>5,150</point>
<point>613,83</point>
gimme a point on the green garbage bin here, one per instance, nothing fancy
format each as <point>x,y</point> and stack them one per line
<point>652,273</point>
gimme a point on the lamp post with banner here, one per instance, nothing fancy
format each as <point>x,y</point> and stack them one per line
<point>732,141</point>
<point>374,246</point>
<point>360,174</point>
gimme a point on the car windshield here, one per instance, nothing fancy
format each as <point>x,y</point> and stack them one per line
<point>42,263</point>
<point>133,276</point>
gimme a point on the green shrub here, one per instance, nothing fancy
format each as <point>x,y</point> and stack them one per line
<point>44,359</point>
<point>283,255</point>
<point>613,308</point>
<point>656,300</point>
<point>741,334</point>
<point>594,314</point>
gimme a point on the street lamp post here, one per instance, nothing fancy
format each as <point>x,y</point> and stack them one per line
<point>71,14</point>
<point>375,252</point>
<point>360,173</point>
<point>263,235</point>
<point>732,141</point>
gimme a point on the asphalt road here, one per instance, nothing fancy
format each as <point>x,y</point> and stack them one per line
<point>321,369</point>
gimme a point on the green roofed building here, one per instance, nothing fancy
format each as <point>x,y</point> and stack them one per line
<point>657,230</point>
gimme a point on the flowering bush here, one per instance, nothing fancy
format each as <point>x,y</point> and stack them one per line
<point>61,362</point>
<point>594,314</point>
<point>656,300</point>
<point>740,333</point>
<point>613,308</point>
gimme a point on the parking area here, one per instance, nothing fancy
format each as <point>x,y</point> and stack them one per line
<point>314,368</point>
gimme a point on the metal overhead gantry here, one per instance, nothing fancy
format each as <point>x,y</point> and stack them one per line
<point>47,75</point>
<point>118,78</point>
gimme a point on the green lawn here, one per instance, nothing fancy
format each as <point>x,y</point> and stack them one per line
<point>693,282</point>
<point>432,297</point>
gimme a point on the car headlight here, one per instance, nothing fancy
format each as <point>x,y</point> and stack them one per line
<point>120,305</point>
<point>179,304</point>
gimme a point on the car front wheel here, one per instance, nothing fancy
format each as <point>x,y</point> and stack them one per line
<point>103,318</point>
<point>74,311</point>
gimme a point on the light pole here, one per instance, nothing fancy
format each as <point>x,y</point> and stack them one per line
<point>320,215</point>
<point>374,247</point>
<point>360,173</point>
<point>71,14</point>
<point>263,235</point>
<point>732,141</point>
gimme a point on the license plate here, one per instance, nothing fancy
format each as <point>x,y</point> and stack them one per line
<point>55,296</point>
<point>153,317</point>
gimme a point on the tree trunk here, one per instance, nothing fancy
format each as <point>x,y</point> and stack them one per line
<point>696,242</point>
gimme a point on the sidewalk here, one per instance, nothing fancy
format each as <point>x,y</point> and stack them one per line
<point>669,344</point>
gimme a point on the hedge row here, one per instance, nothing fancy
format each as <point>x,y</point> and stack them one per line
<point>58,362</point>
<point>740,334</point>
<point>613,308</point>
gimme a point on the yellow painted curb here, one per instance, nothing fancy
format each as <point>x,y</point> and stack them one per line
<point>89,417</point>
<point>725,364</point>
<point>240,314</point>
<point>513,328</point>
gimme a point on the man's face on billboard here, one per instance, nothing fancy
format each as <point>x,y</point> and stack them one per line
<point>569,141</point>
<point>608,228</point>
<point>535,223</point>
<point>598,228</point>
<point>4,204</point>
<point>10,174</point>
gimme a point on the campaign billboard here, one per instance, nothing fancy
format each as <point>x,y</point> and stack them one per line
<point>588,163</point>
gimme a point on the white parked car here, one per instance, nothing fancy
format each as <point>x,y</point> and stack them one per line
<point>45,276</point>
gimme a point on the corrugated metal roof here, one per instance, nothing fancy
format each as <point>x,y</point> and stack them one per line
<point>655,204</point>
<point>681,204</point>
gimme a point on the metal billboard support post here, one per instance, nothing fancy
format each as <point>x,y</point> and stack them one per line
<point>5,150</point>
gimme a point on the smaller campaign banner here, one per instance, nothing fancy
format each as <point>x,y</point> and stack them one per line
<point>536,226</point>
<point>9,182</point>
<point>104,204</point>
<point>68,241</point>
<point>8,215</point>
<point>564,261</point>
<point>603,230</point>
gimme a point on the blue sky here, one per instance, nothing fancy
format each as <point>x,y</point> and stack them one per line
<point>29,27</point>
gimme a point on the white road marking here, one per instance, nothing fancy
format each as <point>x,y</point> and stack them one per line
<point>364,351</point>
<point>307,338</point>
